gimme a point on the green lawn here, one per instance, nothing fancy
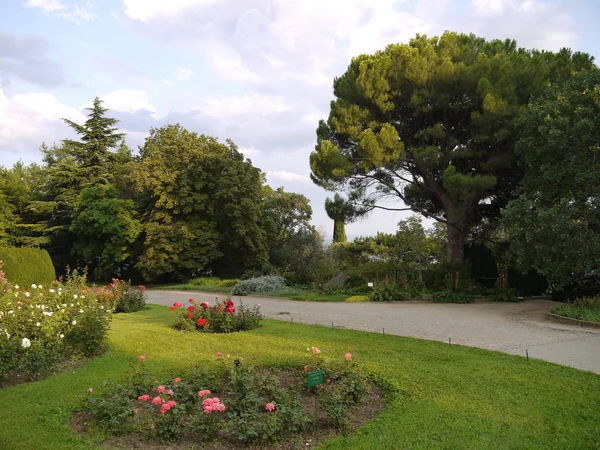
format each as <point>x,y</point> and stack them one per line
<point>442,397</point>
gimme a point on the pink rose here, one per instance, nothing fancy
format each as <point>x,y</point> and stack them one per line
<point>142,358</point>
<point>270,406</point>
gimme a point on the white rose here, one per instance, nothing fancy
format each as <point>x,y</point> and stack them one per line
<point>16,286</point>
<point>25,343</point>
<point>52,291</point>
<point>74,322</point>
<point>38,324</point>
<point>81,311</point>
<point>27,294</point>
<point>75,296</point>
<point>62,336</point>
<point>33,286</point>
<point>39,286</point>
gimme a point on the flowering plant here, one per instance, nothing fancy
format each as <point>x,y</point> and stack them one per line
<point>41,326</point>
<point>223,317</point>
<point>252,404</point>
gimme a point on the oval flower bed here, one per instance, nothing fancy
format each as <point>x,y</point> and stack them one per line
<point>233,404</point>
<point>223,317</point>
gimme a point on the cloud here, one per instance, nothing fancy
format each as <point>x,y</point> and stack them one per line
<point>28,119</point>
<point>25,58</point>
<point>127,100</point>
<point>76,12</point>
<point>46,5</point>
<point>284,175</point>
<point>184,74</point>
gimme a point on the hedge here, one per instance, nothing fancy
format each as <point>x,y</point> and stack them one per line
<point>26,266</point>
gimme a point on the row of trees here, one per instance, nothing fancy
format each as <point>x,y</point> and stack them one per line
<point>186,204</point>
<point>498,143</point>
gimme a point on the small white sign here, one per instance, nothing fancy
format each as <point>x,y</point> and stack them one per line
<point>370,284</point>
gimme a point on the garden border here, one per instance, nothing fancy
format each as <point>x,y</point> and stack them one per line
<point>570,321</point>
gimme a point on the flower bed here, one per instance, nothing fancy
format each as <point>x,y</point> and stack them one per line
<point>120,296</point>
<point>223,317</point>
<point>235,403</point>
<point>41,326</point>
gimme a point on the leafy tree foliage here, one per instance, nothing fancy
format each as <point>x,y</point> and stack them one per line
<point>201,205</point>
<point>293,242</point>
<point>341,212</point>
<point>554,226</point>
<point>432,123</point>
<point>104,229</point>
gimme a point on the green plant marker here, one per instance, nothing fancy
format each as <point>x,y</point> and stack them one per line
<point>332,325</point>
<point>526,355</point>
<point>384,331</point>
<point>450,342</point>
<point>315,378</point>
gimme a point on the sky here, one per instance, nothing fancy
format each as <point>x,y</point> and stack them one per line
<point>259,72</point>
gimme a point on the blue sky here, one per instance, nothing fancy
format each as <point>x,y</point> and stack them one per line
<point>257,71</point>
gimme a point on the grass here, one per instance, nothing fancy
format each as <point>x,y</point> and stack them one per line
<point>590,313</point>
<point>441,397</point>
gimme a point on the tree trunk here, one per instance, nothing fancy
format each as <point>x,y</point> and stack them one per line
<point>456,241</point>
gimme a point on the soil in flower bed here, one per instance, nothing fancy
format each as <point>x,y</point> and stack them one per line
<point>371,406</point>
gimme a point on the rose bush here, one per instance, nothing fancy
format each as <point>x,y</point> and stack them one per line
<point>237,401</point>
<point>41,326</point>
<point>223,317</point>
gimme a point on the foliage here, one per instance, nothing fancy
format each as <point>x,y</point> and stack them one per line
<point>452,296</point>
<point>25,266</point>
<point>503,295</point>
<point>212,281</point>
<point>91,154</point>
<point>221,318</point>
<point>104,227</point>
<point>200,202</point>
<point>42,326</point>
<point>587,308</point>
<point>383,292</point>
<point>554,226</point>
<point>258,285</point>
<point>432,123</point>
<point>357,299</point>
<point>254,404</point>
<point>341,212</point>
<point>125,297</point>
<point>293,242</point>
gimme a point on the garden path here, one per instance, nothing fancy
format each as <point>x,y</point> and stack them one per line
<point>506,327</point>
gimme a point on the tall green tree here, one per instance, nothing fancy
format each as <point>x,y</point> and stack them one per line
<point>554,225</point>
<point>201,205</point>
<point>104,227</point>
<point>293,242</point>
<point>341,212</point>
<point>432,124</point>
<point>92,153</point>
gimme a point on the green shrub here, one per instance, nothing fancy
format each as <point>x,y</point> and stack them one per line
<point>257,285</point>
<point>387,293</point>
<point>503,295</point>
<point>25,266</point>
<point>221,318</point>
<point>45,325</point>
<point>449,296</point>
<point>587,308</point>
<point>254,405</point>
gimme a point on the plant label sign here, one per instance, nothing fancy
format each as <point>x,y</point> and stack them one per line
<point>315,378</point>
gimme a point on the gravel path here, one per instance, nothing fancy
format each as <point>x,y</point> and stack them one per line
<point>506,327</point>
